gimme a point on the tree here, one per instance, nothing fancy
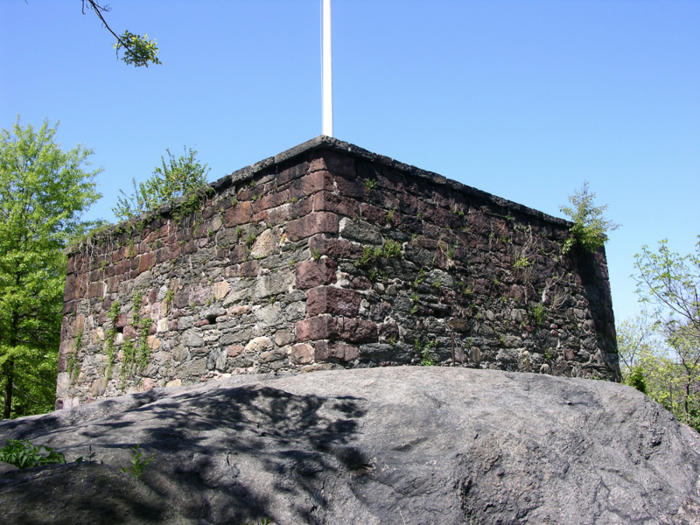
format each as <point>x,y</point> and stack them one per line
<point>661,350</point>
<point>138,50</point>
<point>590,228</point>
<point>43,193</point>
<point>670,282</point>
<point>173,179</point>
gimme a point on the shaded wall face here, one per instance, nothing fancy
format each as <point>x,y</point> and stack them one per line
<point>330,261</point>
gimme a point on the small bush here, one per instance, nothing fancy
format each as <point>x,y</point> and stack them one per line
<point>24,454</point>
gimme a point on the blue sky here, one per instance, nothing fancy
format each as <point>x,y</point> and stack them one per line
<point>525,99</point>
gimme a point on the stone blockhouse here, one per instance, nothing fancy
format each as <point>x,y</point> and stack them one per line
<point>328,256</point>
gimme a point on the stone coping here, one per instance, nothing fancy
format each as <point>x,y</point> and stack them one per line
<point>333,144</point>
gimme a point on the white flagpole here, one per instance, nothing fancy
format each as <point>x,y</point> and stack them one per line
<point>327,73</point>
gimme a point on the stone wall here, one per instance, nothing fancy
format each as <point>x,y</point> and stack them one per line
<point>330,256</point>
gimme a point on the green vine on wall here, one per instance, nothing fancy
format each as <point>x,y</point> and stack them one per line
<point>72,364</point>
<point>135,356</point>
<point>110,336</point>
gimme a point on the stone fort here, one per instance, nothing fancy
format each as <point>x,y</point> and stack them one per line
<point>329,256</point>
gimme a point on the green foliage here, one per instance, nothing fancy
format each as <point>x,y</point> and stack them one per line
<point>522,262</point>
<point>174,178</point>
<point>365,257</point>
<point>589,229</point>
<point>636,379</point>
<point>426,358</point>
<point>24,454</point>
<point>538,314</point>
<point>43,193</point>
<point>670,282</point>
<point>110,336</point>
<point>137,464</point>
<point>138,50</point>
<point>392,249</point>
<point>666,365</point>
<point>315,254</point>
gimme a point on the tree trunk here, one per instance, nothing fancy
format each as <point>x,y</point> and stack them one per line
<point>9,373</point>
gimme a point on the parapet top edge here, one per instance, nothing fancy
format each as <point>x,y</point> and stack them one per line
<point>331,143</point>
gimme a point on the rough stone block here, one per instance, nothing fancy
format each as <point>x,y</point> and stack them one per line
<point>358,330</point>
<point>98,387</point>
<point>259,344</point>
<point>310,274</point>
<point>333,161</point>
<point>331,300</point>
<point>283,337</point>
<point>327,201</point>
<point>249,269</point>
<point>266,244</point>
<point>311,224</point>
<point>335,351</point>
<point>235,350</point>
<point>220,290</point>
<point>360,231</point>
<point>302,354</point>
<point>335,248</point>
<point>241,213</point>
<point>310,184</point>
<point>320,327</point>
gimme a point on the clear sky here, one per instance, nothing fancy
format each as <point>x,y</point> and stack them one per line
<point>525,99</point>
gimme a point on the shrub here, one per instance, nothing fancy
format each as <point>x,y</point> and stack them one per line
<point>589,229</point>
<point>24,454</point>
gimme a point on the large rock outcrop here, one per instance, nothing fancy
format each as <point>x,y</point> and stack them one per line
<point>397,445</point>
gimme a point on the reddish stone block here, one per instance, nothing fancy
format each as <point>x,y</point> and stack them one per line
<point>301,208</point>
<point>249,269</point>
<point>310,184</point>
<point>241,213</point>
<point>147,261</point>
<point>95,290</point>
<point>336,163</point>
<point>335,351</point>
<point>331,300</point>
<point>69,290</point>
<point>271,201</point>
<point>203,322</point>
<point>358,330</point>
<point>361,283</point>
<point>261,216</point>
<point>328,327</point>
<point>130,332</point>
<point>320,327</point>
<point>311,224</point>
<point>189,247</point>
<point>122,321</point>
<point>70,267</point>
<point>70,307</point>
<point>310,274</point>
<point>113,284</point>
<point>280,214</point>
<point>327,201</point>
<point>333,247</point>
<point>238,254</point>
<point>293,172</point>
<point>351,187</point>
<point>373,214</point>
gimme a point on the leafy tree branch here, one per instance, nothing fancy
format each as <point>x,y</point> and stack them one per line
<point>138,50</point>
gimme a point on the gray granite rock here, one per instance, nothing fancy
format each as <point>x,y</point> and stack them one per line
<point>395,445</point>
